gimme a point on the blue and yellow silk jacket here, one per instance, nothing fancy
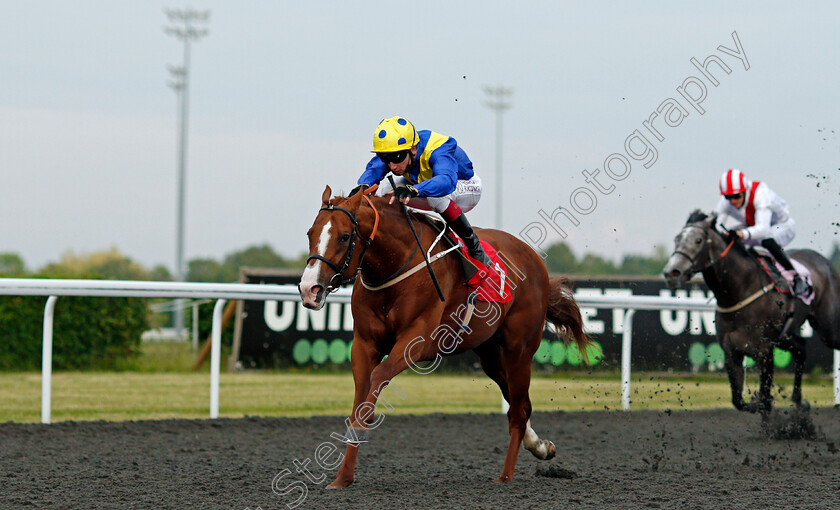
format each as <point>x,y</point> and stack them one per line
<point>439,165</point>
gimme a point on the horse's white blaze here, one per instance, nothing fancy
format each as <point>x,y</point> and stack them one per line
<point>310,275</point>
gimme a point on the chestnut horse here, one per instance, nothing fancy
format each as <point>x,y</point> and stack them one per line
<point>403,317</point>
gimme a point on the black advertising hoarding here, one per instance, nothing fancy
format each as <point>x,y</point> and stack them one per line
<point>285,334</point>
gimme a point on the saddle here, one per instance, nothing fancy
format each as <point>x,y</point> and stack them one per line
<point>490,283</point>
<point>783,279</point>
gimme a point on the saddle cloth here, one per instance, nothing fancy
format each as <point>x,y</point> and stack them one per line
<point>492,284</point>
<point>764,255</point>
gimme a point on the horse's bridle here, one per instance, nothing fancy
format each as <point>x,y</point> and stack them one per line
<point>709,244</point>
<point>332,286</point>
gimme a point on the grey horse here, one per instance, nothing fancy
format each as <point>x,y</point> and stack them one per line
<point>752,318</point>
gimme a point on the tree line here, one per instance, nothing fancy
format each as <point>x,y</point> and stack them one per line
<point>112,264</point>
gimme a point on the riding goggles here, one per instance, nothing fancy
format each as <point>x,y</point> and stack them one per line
<point>736,196</point>
<point>392,157</point>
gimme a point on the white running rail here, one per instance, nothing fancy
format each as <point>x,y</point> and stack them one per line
<point>115,288</point>
<point>269,292</point>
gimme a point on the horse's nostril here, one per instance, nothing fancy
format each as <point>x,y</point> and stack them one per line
<point>675,272</point>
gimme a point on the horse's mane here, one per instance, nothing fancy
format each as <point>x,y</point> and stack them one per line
<point>382,205</point>
<point>695,216</point>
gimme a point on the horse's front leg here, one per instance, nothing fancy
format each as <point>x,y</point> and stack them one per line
<point>372,377</point>
<point>734,362</point>
<point>364,357</point>
<point>765,396</point>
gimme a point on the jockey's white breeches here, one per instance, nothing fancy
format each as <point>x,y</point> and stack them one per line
<point>466,195</point>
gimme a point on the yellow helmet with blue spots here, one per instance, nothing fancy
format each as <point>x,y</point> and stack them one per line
<point>394,135</point>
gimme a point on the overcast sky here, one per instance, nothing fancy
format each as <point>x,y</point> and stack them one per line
<point>285,97</point>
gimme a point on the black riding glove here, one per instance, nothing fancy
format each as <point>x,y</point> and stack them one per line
<point>406,191</point>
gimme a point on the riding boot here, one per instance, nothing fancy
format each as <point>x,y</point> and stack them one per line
<point>462,227</point>
<point>799,285</point>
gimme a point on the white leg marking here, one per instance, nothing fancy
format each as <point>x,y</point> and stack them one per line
<point>535,445</point>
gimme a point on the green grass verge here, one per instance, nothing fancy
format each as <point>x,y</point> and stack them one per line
<point>147,396</point>
<point>160,383</point>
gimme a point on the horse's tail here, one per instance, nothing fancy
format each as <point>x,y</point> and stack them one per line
<point>564,314</point>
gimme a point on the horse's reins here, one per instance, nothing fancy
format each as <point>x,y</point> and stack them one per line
<point>413,231</point>
<point>393,280</point>
<point>744,302</point>
<point>339,271</point>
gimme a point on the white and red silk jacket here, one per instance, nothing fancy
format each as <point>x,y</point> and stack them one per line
<point>762,209</point>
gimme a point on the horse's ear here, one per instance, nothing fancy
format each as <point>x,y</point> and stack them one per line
<point>325,198</point>
<point>712,220</point>
<point>354,200</point>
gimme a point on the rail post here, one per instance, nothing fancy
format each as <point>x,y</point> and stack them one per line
<point>46,360</point>
<point>837,377</point>
<point>216,356</point>
<point>626,350</point>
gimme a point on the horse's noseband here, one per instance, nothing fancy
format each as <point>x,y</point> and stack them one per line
<point>338,279</point>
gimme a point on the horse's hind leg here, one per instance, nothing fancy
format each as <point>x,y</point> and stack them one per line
<point>490,355</point>
<point>518,375</point>
<point>798,369</point>
<point>796,345</point>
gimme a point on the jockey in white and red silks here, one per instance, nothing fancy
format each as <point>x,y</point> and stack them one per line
<point>433,173</point>
<point>759,216</point>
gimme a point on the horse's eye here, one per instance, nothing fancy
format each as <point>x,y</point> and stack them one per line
<point>698,241</point>
<point>345,237</point>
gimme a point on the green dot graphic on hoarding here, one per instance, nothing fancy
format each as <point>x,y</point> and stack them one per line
<point>349,349</point>
<point>319,351</point>
<point>301,351</point>
<point>543,353</point>
<point>558,353</point>
<point>595,352</point>
<point>781,358</point>
<point>714,354</point>
<point>697,354</point>
<point>338,351</point>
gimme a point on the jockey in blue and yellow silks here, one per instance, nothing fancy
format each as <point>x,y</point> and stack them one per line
<point>433,173</point>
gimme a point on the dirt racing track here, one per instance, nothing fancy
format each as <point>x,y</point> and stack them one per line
<point>689,459</point>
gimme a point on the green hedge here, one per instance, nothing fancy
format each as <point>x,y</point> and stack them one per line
<point>88,332</point>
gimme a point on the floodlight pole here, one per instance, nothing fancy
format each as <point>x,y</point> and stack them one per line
<point>499,103</point>
<point>183,28</point>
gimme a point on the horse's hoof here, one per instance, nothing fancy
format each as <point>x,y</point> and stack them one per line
<point>804,405</point>
<point>552,451</point>
<point>503,479</point>
<point>340,484</point>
